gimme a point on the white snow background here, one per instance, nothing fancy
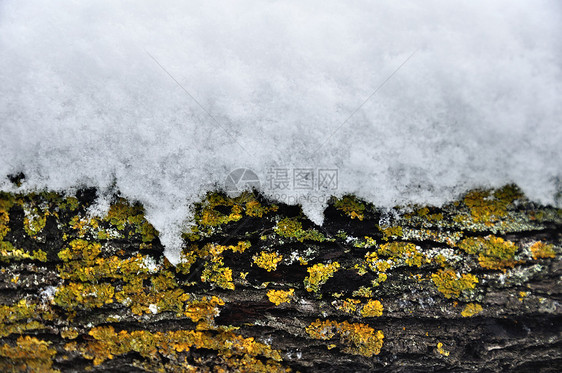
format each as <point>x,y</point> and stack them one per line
<point>412,101</point>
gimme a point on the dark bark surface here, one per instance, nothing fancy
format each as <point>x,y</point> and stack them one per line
<point>471,286</point>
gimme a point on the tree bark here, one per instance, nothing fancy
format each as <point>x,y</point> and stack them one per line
<point>470,286</point>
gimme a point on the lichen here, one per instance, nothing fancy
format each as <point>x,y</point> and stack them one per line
<point>403,252</point>
<point>540,250</point>
<point>318,274</point>
<point>358,339</point>
<point>292,228</point>
<point>108,343</point>
<point>493,252</point>
<point>452,284</point>
<point>351,206</point>
<point>373,308</point>
<point>471,309</point>
<point>267,260</point>
<point>441,350</point>
<point>28,355</point>
<point>280,296</point>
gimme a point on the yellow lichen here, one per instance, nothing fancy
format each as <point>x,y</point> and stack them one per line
<point>349,305</point>
<point>359,339</point>
<point>540,250</point>
<point>22,316</point>
<point>351,206</point>
<point>441,350</point>
<point>84,295</point>
<point>403,251</point>
<point>205,309</point>
<point>471,309</point>
<point>451,284</point>
<point>109,343</point>
<point>319,274</point>
<point>488,207</point>
<point>28,355</point>
<point>493,252</point>
<point>373,308</point>
<point>9,252</point>
<point>267,260</point>
<point>292,228</point>
<point>392,232</point>
<point>280,296</point>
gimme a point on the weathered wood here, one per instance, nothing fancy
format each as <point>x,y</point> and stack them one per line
<point>471,286</point>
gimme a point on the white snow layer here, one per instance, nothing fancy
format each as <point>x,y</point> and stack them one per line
<point>411,101</point>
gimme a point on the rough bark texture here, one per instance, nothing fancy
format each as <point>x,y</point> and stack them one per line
<point>471,286</point>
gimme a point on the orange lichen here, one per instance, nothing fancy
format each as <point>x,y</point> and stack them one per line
<point>540,250</point>
<point>451,284</point>
<point>319,274</point>
<point>267,260</point>
<point>359,339</point>
<point>280,296</point>
<point>471,309</point>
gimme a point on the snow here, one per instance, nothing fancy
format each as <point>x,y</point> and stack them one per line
<point>409,101</point>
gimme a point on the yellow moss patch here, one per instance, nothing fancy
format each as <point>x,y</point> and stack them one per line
<point>451,284</point>
<point>471,309</point>
<point>373,308</point>
<point>540,250</point>
<point>319,274</point>
<point>280,296</point>
<point>267,260</point>
<point>359,339</point>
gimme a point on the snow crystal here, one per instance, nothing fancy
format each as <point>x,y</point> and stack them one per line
<point>396,102</point>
